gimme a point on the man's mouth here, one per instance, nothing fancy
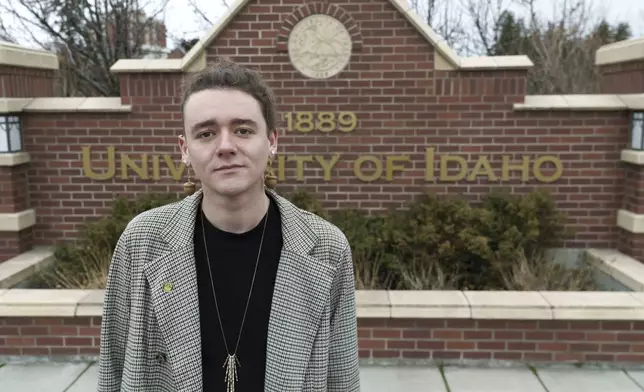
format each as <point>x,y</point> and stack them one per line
<point>228,167</point>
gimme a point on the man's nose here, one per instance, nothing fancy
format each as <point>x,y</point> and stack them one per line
<point>226,142</point>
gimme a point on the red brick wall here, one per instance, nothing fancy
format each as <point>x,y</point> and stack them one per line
<point>50,336</point>
<point>439,339</point>
<point>19,82</point>
<point>537,341</point>
<point>403,106</point>
<point>590,190</point>
<point>623,78</point>
<point>62,195</point>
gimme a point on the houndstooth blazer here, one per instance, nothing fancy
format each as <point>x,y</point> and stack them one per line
<point>150,337</point>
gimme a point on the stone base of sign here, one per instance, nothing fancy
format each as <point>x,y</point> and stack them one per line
<point>398,326</point>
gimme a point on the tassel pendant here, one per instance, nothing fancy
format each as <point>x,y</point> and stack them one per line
<point>231,372</point>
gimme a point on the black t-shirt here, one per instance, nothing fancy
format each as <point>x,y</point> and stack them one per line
<point>233,257</point>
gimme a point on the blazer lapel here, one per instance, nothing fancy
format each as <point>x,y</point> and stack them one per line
<point>302,291</point>
<point>173,285</point>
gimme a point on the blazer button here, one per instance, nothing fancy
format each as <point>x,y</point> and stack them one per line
<point>161,358</point>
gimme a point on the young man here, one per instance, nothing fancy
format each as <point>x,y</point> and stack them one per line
<point>232,288</point>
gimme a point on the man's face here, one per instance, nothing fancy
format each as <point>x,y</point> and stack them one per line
<point>226,141</point>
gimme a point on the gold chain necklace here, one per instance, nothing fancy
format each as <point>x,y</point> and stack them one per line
<point>232,361</point>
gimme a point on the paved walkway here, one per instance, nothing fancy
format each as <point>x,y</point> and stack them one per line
<point>81,377</point>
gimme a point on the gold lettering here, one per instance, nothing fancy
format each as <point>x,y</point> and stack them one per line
<point>524,167</point>
<point>299,170</point>
<point>87,164</point>
<point>156,169</point>
<point>141,171</point>
<point>391,166</point>
<point>429,164</point>
<point>175,172</point>
<point>304,122</point>
<point>347,121</point>
<point>379,168</point>
<point>325,122</point>
<point>445,176</point>
<point>538,174</point>
<point>357,168</point>
<point>281,167</point>
<point>482,167</point>
<point>327,166</point>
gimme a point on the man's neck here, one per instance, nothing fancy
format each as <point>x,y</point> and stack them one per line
<point>237,215</point>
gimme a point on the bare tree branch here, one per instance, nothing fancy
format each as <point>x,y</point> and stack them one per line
<point>563,49</point>
<point>5,34</point>
<point>445,18</point>
<point>89,36</point>
<point>199,13</point>
<point>486,16</point>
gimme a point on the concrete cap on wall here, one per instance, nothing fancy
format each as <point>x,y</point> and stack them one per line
<point>19,56</point>
<point>586,102</point>
<point>64,105</point>
<point>621,52</point>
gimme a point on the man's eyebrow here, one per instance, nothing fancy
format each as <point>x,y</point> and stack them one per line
<point>213,123</point>
<point>244,121</point>
<point>202,124</point>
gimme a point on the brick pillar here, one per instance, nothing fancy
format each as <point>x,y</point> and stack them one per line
<point>630,218</point>
<point>24,74</point>
<point>16,218</point>
<point>621,66</point>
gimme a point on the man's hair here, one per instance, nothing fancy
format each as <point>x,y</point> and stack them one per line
<point>225,74</point>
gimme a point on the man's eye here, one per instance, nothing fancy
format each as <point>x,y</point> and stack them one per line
<point>244,131</point>
<point>205,134</point>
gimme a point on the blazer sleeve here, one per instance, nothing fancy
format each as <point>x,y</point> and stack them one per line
<point>115,321</point>
<point>344,370</point>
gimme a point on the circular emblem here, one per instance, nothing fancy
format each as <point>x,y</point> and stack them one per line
<point>319,46</point>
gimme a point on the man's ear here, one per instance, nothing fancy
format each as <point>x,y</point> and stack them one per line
<point>272,141</point>
<point>183,146</point>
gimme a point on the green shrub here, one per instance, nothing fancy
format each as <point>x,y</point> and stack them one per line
<point>83,261</point>
<point>438,242</point>
<point>443,242</point>
<point>446,232</point>
<point>370,246</point>
<point>307,201</point>
<point>529,222</point>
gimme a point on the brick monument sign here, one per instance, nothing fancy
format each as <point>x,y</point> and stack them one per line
<point>375,108</point>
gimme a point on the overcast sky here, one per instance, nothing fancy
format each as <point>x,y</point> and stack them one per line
<point>182,22</point>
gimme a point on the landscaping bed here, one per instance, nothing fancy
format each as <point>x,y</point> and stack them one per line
<point>436,243</point>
